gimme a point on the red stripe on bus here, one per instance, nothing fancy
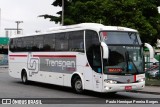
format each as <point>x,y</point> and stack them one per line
<point>18,55</point>
<point>57,56</point>
<point>134,78</point>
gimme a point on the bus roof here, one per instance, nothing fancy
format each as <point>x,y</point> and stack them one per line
<point>90,26</point>
<point>94,26</point>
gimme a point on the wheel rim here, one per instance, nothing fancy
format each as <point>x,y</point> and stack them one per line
<point>78,85</point>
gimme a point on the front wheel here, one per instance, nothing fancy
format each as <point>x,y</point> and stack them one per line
<point>78,87</point>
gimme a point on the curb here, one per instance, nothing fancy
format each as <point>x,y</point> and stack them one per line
<point>153,85</point>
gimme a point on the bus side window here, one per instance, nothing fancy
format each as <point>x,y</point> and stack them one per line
<point>93,51</point>
<point>15,44</point>
<point>28,43</point>
<point>38,43</point>
<point>19,44</point>
<point>61,42</point>
<point>49,42</point>
<point>76,43</point>
<point>11,45</point>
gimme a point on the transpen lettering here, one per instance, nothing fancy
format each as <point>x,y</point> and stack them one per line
<point>61,63</point>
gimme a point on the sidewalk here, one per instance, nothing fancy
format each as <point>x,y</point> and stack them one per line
<point>149,90</point>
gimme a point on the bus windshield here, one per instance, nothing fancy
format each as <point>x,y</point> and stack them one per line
<point>125,53</point>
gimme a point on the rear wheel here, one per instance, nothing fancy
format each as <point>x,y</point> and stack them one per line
<point>24,77</point>
<point>77,85</point>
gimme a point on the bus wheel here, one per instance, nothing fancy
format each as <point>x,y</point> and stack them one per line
<point>24,77</point>
<point>77,85</point>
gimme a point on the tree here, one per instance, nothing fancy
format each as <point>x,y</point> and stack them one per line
<point>137,14</point>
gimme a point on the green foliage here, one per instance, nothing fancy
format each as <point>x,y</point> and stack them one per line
<point>137,14</point>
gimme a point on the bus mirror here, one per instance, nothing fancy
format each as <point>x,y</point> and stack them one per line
<point>105,50</point>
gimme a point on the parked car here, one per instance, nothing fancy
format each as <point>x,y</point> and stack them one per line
<point>153,73</point>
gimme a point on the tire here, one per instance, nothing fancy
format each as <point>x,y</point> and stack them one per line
<point>24,77</point>
<point>77,85</point>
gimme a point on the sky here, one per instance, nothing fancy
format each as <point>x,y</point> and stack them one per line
<point>28,12</point>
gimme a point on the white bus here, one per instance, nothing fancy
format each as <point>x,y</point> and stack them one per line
<point>85,56</point>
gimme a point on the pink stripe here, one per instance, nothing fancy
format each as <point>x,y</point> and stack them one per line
<point>50,56</point>
<point>56,56</point>
<point>18,55</point>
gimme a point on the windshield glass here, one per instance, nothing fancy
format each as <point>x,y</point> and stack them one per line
<point>124,60</point>
<point>120,37</point>
<point>125,53</point>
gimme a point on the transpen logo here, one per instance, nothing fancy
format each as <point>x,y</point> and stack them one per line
<point>32,64</point>
<point>64,65</point>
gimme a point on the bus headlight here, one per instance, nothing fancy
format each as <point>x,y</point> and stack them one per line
<point>110,81</point>
<point>141,80</point>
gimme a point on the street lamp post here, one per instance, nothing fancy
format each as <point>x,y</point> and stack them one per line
<point>62,12</point>
<point>18,22</point>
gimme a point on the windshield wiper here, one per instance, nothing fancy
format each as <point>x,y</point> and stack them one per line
<point>134,65</point>
<point>127,61</point>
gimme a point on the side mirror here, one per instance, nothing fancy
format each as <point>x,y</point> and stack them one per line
<point>105,50</point>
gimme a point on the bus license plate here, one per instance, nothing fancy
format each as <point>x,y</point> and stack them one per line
<point>128,87</point>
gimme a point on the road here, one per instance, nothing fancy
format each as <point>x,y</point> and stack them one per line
<point>13,88</point>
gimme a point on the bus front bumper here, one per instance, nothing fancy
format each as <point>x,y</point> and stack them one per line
<point>123,87</point>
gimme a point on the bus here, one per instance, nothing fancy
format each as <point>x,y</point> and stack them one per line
<point>86,56</point>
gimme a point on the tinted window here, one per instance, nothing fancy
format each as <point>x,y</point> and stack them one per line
<point>11,45</point>
<point>38,43</point>
<point>19,44</point>
<point>15,44</point>
<point>93,50</point>
<point>27,43</point>
<point>68,41</point>
<point>49,42</point>
<point>61,42</point>
<point>76,41</point>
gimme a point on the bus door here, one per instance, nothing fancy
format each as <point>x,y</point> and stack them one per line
<point>94,59</point>
<point>93,53</point>
<point>97,69</point>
